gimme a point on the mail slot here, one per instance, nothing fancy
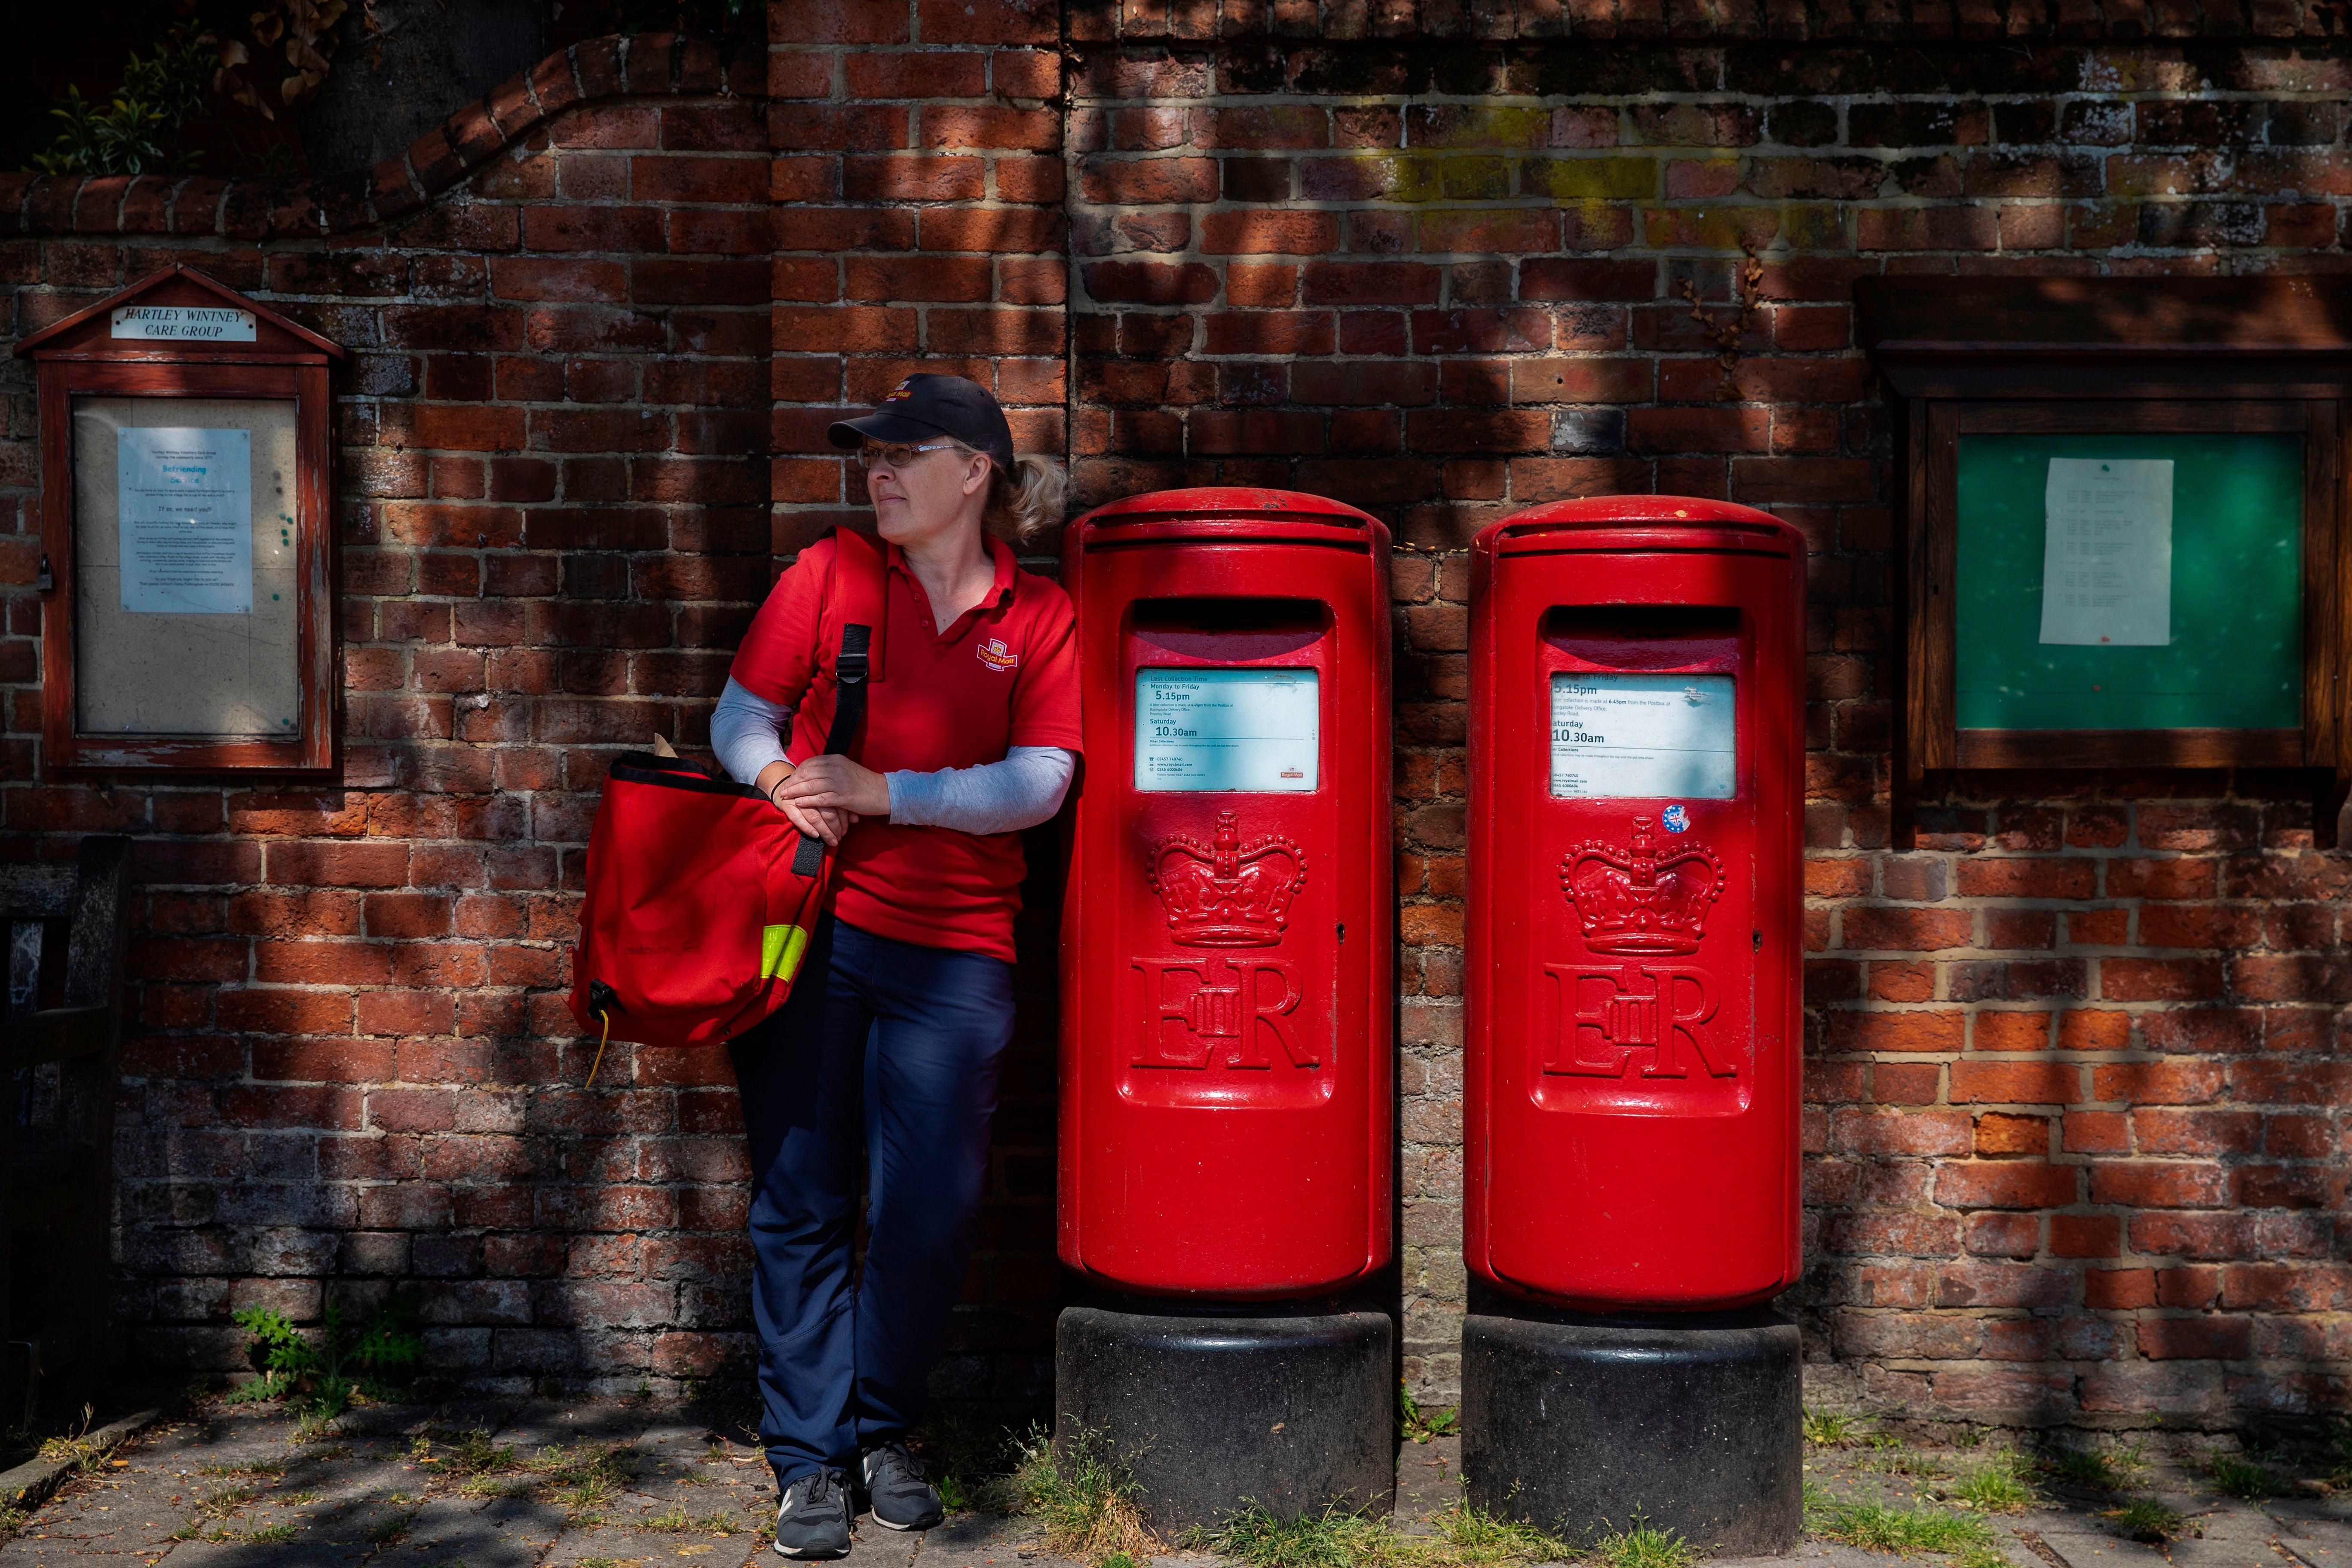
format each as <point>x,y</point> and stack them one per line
<point>1637,746</point>
<point>1226,969</point>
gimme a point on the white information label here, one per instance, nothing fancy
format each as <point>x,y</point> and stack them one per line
<point>185,513</point>
<point>1643,737</point>
<point>183,323</point>
<point>2106,552</point>
<point>1227,729</point>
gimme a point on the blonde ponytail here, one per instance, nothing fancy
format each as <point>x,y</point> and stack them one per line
<point>1025,504</point>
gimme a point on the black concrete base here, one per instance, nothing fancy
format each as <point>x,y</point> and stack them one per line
<point>1580,1424</point>
<point>1213,1414</point>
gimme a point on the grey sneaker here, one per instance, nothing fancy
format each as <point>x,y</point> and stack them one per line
<point>902,1498</point>
<point>814,1519</point>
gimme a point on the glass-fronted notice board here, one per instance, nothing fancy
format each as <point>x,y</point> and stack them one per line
<point>2119,530</point>
<point>2129,582</point>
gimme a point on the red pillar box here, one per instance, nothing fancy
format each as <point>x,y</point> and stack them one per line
<point>1631,1106</point>
<point>1227,984</point>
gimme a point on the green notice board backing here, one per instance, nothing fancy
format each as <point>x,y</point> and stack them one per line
<point>2236,657</point>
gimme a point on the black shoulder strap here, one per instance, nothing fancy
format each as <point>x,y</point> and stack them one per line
<point>850,677</point>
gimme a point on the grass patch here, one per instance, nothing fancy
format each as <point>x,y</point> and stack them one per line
<point>1082,1496</point>
<point>1475,1538</point>
<point>1829,1429</point>
<point>224,1503</point>
<point>251,1467</point>
<point>1993,1487</point>
<point>2144,1518</point>
<point>1905,1531</point>
<point>1889,1456</point>
<point>583,1479</point>
<point>1332,1539</point>
<point>394,1530</point>
<point>2237,1476</point>
<point>1643,1545</point>
<point>2106,1470</point>
<point>672,1519</point>
<point>1459,1538</point>
<point>12,1519</point>
<point>270,1533</point>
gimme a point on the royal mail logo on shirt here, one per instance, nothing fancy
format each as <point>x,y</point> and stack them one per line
<point>997,657</point>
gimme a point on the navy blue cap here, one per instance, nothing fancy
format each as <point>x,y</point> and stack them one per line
<point>924,406</point>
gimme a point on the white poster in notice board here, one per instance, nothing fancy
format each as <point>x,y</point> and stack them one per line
<point>185,501</point>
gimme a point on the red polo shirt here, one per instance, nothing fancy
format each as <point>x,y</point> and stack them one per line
<point>1004,674</point>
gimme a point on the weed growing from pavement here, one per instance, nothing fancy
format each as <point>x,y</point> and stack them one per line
<point>2106,1470</point>
<point>1458,1538</point>
<point>80,1451</point>
<point>1994,1487</point>
<point>1830,1429</point>
<point>392,1531</point>
<point>1874,1527</point>
<point>1643,1545</point>
<point>250,1467</point>
<point>2145,1519</point>
<point>583,1479</point>
<point>1889,1456</point>
<point>2237,1476</point>
<point>1333,1539</point>
<point>12,1519</point>
<point>1422,1426</point>
<point>1082,1496</point>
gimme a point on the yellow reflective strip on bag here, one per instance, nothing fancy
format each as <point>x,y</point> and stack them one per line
<point>780,952</point>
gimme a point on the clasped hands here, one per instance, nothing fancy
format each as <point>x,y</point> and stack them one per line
<point>826,795</point>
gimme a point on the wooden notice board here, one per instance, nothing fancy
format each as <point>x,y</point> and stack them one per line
<point>2121,536</point>
<point>188,614</point>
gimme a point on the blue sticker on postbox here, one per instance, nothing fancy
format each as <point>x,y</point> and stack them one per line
<point>1676,819</point>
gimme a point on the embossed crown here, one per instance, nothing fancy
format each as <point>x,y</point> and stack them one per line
<point>1643,903</point>
<point>1228,893</point>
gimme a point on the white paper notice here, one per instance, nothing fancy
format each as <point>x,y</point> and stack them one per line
<point>1226,729</point>
<point>1643,737</point>
<point>2106,552</point>
<point>186,517</point>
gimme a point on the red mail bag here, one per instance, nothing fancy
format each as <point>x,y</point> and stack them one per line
<point>701,894</point>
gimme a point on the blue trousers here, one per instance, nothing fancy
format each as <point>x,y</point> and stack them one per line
<point>900,1047</point>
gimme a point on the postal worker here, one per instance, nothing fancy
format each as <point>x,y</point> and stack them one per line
<point>891,1045</point>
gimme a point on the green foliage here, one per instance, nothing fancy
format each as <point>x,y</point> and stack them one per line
<point>2238,1476</point>
<point>1889,1456</point>
<point>1643,1546</point>
<point>2145,1519</point>
<point>346,1361</point>
<point>583,1479</point>
<point>1830,1429</point>
<point>2108,1470</point>
<point>137,131</point>
<point>1083,1496</point>
<point>1458,1538</point>
<point>1421,1426</point>
<point>1994,1487</point>
<point>1874,1527</point>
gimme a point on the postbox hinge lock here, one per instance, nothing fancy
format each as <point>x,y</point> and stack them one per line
<point>1343,931</point>
<point>45,580</point>
<point>1755,942</point>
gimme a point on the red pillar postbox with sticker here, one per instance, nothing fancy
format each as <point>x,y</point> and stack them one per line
<point>1635,941</point>
<point>1226,960</point>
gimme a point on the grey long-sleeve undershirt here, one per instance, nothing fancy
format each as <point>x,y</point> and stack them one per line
<point>747,733</point>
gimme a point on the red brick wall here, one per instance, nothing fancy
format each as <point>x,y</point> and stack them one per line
<point>2072,1143</point>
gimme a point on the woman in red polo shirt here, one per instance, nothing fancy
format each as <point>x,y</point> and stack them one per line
<point>894,1034</point>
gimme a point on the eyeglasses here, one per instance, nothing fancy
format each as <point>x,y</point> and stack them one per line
<point>871,458</point>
